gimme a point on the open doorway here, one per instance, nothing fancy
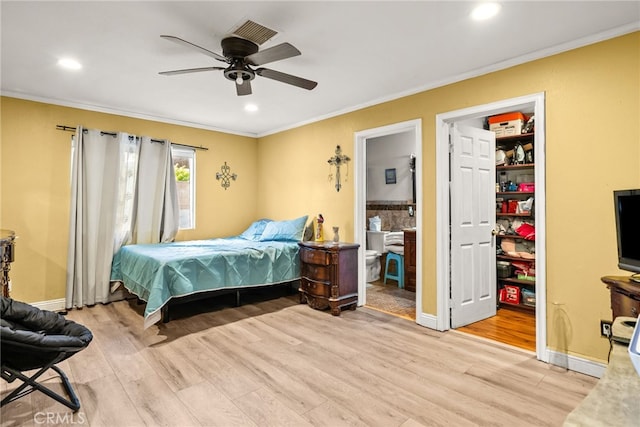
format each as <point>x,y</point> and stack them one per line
<point>445,123</point>
<point>399,215</point>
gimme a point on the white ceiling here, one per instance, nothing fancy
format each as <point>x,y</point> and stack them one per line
<point>360,53</point>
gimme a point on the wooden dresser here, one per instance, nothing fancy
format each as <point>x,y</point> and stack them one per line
<point>625,296</point>
<point>410,260</point>
<point>329,275</point>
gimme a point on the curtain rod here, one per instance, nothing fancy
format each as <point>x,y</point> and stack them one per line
<point>73,129</point>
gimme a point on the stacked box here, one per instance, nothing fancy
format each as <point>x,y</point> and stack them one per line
<point>507,124</point>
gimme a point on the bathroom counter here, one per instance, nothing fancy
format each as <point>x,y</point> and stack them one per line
<point>614,401</point>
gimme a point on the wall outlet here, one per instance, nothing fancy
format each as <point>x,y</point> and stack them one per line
<point>605,328</point>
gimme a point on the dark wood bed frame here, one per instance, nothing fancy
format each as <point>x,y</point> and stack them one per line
<point>292,287</point>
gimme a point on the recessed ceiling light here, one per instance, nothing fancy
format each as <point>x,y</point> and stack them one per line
<point>251,108</point>
<point>69,64</point>
<point>485,11</point>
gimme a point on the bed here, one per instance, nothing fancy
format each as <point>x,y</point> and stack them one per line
<point>264,254</point>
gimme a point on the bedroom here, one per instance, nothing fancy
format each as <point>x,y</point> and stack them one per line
<point>587,90</point>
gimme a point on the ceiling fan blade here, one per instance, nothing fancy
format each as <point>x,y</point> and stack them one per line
<point>244,88</point>
<point>195,46</point>
<point>272,54</point>
<point>189,70</point>
<point>286,78</point>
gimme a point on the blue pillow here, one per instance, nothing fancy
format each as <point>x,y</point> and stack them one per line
<point>290,230</point>
<point>255,230</point>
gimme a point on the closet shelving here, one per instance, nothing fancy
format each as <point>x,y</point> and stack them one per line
<point>513,172</point>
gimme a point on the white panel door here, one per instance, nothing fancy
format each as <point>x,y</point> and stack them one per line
<point>473,213</point>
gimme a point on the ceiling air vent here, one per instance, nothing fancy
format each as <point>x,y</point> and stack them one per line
<point>254,32</point>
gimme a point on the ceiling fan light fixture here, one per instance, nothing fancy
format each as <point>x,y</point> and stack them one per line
<point>241,55</point>
<point>485,11</point>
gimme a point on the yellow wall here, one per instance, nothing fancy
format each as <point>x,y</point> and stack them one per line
<point>593,147</point>
<point>35,185</point>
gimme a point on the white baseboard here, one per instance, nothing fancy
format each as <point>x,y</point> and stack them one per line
<point>574,363</point>
<point>51,305</point>
<point>562,360</point>
<point>60,303</point>
<point>427,320</point>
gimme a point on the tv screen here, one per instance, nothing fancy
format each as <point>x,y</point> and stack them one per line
<point>627,210</point>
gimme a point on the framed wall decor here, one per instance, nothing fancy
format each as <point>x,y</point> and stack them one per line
<point>390,176</point>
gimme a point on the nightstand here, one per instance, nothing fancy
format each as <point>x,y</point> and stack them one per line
<point>329,275</point>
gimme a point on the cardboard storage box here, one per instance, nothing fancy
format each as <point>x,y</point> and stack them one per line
<point>507,124</point>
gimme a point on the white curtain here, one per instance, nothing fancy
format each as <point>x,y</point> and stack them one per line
<point>123,190</point>
<point>156,215</point>
<point>101,167</point>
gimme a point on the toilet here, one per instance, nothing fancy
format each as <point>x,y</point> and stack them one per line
<point>375,248</point>
<point>373,265</point>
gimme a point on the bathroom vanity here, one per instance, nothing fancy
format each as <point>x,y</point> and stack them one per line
<point>410,260</point>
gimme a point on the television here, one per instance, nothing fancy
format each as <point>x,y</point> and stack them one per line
<point>627,211</point>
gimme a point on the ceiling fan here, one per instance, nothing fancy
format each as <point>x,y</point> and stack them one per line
<point>242,55</point>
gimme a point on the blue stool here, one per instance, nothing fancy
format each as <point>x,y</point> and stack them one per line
<point>399,275</point>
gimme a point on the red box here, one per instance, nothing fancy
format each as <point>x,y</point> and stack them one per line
<point>511,294</point>
<point>527,186</point>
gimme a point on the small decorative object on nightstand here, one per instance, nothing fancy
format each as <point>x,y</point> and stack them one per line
<point>329,275</point>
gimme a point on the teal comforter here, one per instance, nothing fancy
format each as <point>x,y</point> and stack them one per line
<point>158,272</point>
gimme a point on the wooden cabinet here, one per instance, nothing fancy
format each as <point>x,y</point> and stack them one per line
<point>410,260</point>
<point>329,275</point>
<point>7,239</point>
<point>515,184</point>
<point>625,296</point>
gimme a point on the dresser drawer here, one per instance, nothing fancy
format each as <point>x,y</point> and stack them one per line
<point>311,256</point>
<point>623,304</point>
<point>320,273</point>
<point>315,288</point>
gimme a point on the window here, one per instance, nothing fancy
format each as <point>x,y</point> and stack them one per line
<point>184,166</point>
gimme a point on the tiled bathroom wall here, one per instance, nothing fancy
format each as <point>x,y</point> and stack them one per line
<point>394,216</point>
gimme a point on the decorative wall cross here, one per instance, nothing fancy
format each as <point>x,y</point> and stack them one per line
<point>338,160</point>
<point>225,176</point>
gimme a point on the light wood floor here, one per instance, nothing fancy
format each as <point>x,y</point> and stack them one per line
<point>508,326</point>
<point>276,362</point>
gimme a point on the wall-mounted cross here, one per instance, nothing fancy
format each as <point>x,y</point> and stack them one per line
<point>338,160</point>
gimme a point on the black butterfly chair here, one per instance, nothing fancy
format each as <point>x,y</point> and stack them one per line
<point>37,339</point>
